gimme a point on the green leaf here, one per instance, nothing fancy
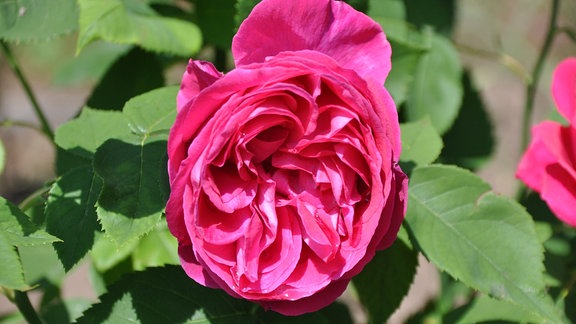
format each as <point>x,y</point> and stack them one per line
<point>484,309</point>
<point>216,20</point>
<point>157,248</point>
<point>32,20</point>
<point>421,143</point>
<point>243,9</point>
<point>437,89</point>
<point>131,203</point>
<point>11,272</point>
<point>385,281</point>
<point>91,65</point>
<point>394,9</point>
<point>152,115</point>
<point>106,253</point>
<point>84,134</point>
<point>462,149</point>
<point>126,78</point>
<point>360,5</point>
<point>166,295</point>
<point>132,22</point>
<point>16,230</point>
<point>2,157</point>
<point>437,13</point>
<point>71,214</point>
<point>485,240</point>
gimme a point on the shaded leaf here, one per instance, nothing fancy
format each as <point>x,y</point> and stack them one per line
<point>243,9</point>
<point>447,206</point>
<point>385,281</point>
<point>421,143</point>
<point>71,214</point>
<point>470,141</point>
<point>32,20</point>
<point>437,88</point>
<point>440,14</point>
<point>126,78</point>
<point>166,295</point>
<point>131,203</point>
<point>133,22</point>
<point>216,20</point>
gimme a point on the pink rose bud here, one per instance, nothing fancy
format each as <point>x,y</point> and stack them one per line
<point>549,164</point>
<point>284,171</point>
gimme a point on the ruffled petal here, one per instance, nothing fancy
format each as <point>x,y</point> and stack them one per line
<point>564,88</point>
<point>198,75</point>
<point>327,26</point>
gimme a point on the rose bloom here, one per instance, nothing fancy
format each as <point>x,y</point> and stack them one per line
<point>549,164</point>
<point>283,172</point>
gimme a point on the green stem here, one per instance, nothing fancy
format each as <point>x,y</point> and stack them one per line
<point>46,129</point>
<point>533,86</point>
<point>25,307</point>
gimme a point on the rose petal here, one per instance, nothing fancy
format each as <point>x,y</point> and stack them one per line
<point>330,27</point>
<point>564,88</point>
<point>559,192</point>
<point>312,303</point>
<point>198,75</point>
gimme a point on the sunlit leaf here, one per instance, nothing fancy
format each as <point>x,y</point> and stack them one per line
<point>133,22</point>
<point>32,20</point>
<point>485,240</point>
<point>16,230</point>
<point>437,89</point>
<point>421,143</point>
<point>84,134</point>
<point>485,309</point>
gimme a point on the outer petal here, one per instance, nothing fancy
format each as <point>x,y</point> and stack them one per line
<point>198,75</point>
<point>532,167</point>
<point>331,27</point>
<point>559,192</point>
<point>313,303</point>
<point>564,88</point>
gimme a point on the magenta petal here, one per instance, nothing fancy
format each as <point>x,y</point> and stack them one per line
<point>313,303</point>
<point>559,192</point>
<point>327,26</point>
<point>198,75</point>
<point>564,88</point>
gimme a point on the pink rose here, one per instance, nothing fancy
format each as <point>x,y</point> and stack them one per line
<point>283,172</point>
<point>549,164</point>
